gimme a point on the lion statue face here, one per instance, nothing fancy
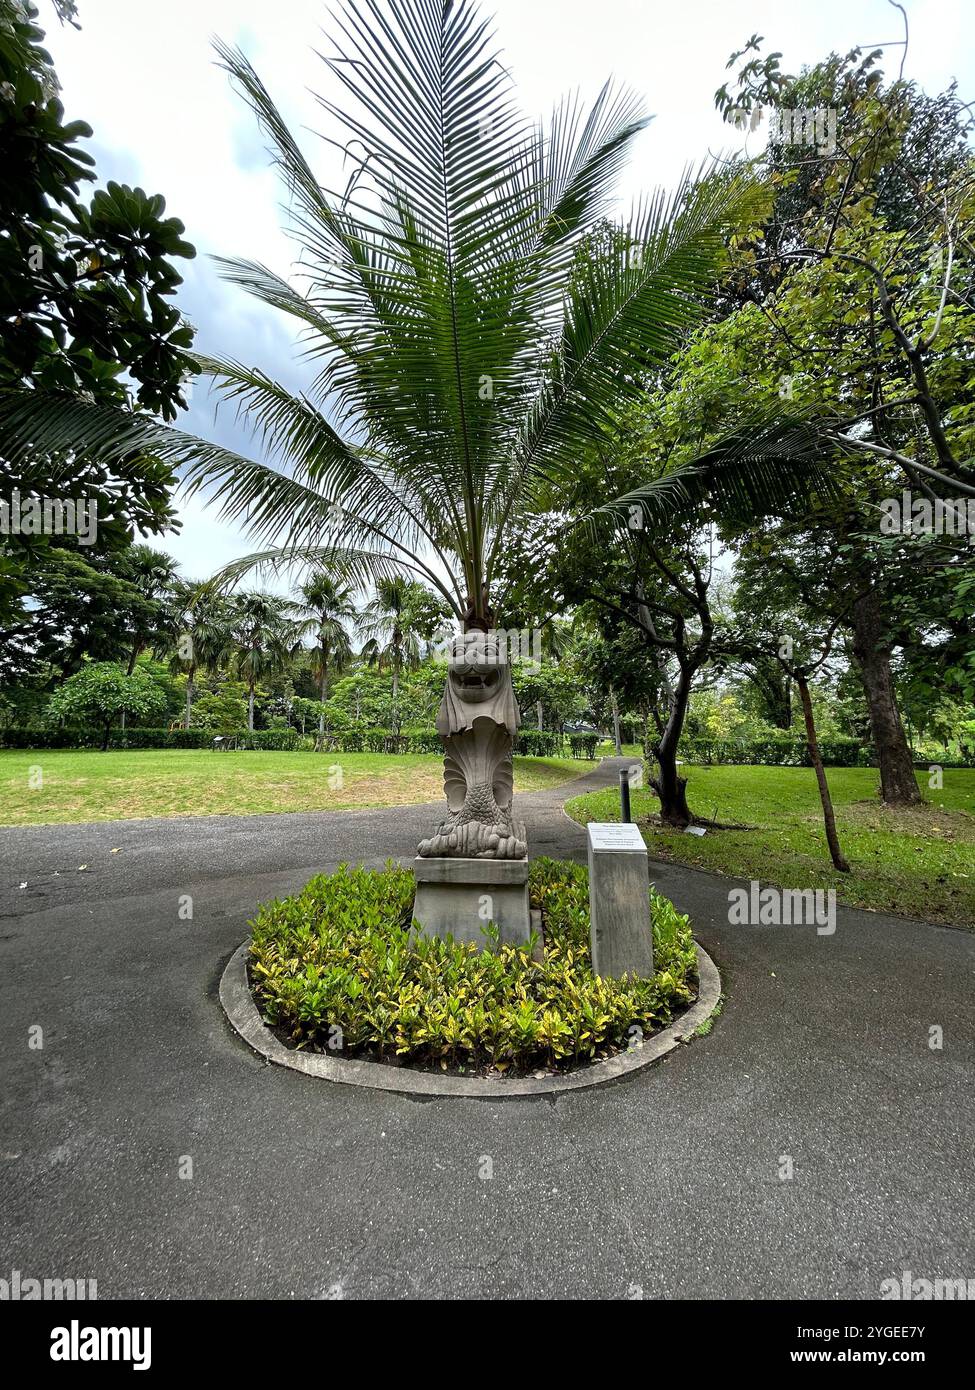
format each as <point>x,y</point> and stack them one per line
<point>476,667</point>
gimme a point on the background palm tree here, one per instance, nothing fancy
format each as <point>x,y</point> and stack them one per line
<point>262,641</point>
<point>324,608</point>
<point>204,617</point>
<point>389,623</point>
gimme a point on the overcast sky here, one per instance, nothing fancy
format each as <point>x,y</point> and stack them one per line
<point>142,73</point>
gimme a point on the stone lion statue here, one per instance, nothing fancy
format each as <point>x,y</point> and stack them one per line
<point>477,721</point>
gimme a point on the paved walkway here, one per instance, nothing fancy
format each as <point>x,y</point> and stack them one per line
<point>668,1182</point>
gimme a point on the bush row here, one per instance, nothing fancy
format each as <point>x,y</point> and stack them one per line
<point>529,742</point>
<point>774,752</point>
<point>786,752</point>
<point>277,740</point>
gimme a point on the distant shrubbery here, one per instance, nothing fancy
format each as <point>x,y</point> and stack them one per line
<point>786,752</point>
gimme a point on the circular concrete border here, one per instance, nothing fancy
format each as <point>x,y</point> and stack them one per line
<point>239,1006</point>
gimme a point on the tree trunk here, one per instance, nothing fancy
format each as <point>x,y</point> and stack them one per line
<point>618,746</point>
<point>320,745</point>
<point>669,787</point>
<point>829,820</point>
<point>189,697</point>
<point>108,730</point>
<point>540,714</point>
<point>898,785</point>
<point>250,708</point>
<point>395,720</point>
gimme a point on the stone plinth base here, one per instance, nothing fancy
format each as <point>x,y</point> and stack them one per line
<point>459,897</point>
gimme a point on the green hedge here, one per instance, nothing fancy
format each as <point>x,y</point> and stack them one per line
<point>584,745</point>
<point>538,743</point>
<point>786,752</point>
<point>773,752</point>
<point>279,740</point>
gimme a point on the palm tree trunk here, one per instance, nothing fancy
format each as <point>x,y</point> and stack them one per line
<point>250,708</point>
<point>189,696</point>
<point>396,659</point>
<point>321,697</point>
<point>829,819</point>
<point>618,747</point>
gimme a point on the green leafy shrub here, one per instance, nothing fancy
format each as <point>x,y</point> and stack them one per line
<point>341,955</point>
<point>538,743</point>
<point>584,745</point>
<point>275,740</point>
<point>772,752</point>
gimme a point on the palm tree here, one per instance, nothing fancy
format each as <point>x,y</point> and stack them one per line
<point>262,641</point>
<point>389,624</point>
<point>325,607</point>
<point>477,319</point>
<point>203,641</point>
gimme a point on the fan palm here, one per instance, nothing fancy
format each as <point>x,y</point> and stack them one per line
<point>262,641</point>
<point>205,618</point>
<point>325,606</point>
<point>388,623</point>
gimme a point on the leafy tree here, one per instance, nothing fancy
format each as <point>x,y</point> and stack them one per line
<point>224,710</point>
<point>85,314</point>
<point>74,613</point>
<point>84,289</point>
<point>325,606</point>
<point>854,303</point>
<point>555,688</point>
<point>155,576</point>
<point>104,692</point>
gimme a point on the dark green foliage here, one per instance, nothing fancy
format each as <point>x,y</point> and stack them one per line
<point>538,743</point>
<point>584,745</point>
<point>774,752</point>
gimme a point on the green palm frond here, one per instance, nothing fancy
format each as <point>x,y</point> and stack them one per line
<point>473,318</point>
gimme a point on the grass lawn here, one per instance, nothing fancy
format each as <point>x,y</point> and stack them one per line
<point>91,786</point>
<point>920,862</point>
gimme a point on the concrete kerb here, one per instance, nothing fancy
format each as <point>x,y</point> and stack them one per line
<point>242,1012</point>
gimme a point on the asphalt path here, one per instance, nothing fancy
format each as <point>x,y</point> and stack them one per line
<point>812,1145</point>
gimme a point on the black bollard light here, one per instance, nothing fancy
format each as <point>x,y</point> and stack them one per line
<point>625,794</point>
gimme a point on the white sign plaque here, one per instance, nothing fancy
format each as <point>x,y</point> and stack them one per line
<point>611,835</point>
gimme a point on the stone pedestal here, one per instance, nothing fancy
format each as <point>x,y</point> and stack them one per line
<point>459,897</point>
<point>621,931</point>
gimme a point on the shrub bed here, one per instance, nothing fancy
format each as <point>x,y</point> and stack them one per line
<point>337,968</point>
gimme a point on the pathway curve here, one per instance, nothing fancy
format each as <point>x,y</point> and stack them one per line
<point>670,1182</point>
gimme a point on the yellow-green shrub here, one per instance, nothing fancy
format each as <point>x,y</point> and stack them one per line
<point>341,956</point>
